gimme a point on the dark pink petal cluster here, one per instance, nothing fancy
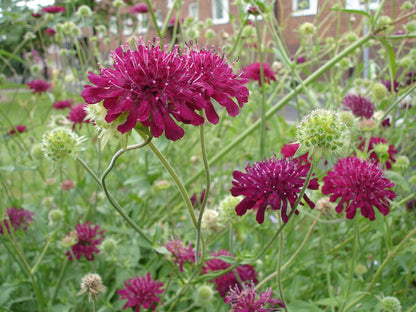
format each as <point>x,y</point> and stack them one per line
<point>360,106</point>
<point>289,150</point>
<point>373,155</point>
<point>252,72</point>
<point>358,184</point>
<point>253,10</point>
<point>299,59</point>
<point>50,32</point>
<point>139,8</point>
<point>410,77</point>
<point>77,115</point>
<point>141,292</point>
<point>18,218</point>
<point>18,129</point>
<point>62,104</point>
<point>387,84</point>
<point>245,299</point>
<point>180,252</point>
<point>158,88</point>
<point>88,238</point>
<point>52,9</point>
<point>36,15</point>
<point>246,273</point>
<point>271,183</point>
<point>39,86</point>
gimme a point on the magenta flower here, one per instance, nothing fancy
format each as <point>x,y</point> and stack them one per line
<point>139,8</point>
<point>77,115</point>
<point>243,299</point>
<point>224,282</point>
<point>50,32</point>
<point>154,87</point>
<point>19,218</point>
<point>18,129</point>
<point>299,59</point>
<point>253,10</point>
<point>387,84</point>
<point>36,15</point>
<point>180,252</point>
<point>410,77</point>
<point>271,183</point>
<point>53,9</point>
<point>360,106</point>
<point>88,238</point>
<point>39,86</point>
<point>359,184</point>
<point>373,155</point>
<point>62,104</point>
<point>252,72</point>
<point>141,291</point>
<point>289,150</point>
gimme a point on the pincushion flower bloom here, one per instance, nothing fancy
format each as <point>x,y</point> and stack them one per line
<point>358,184</point>
<point>50,32</point>
<point>373,155</point>
<point>388,85</point>
<point>410,77</point>
<point>224,282</point>
<point>271,183</point>
<point>139,8</point>
<point>77,115</point>
<point>88,237</point>
<point>245,299</point>
<point>62,104</point>
<point>18,218</point>
<point>360,106</point>
<point>141,291</point>
<point>180,253</point>
<point>39,86</point>
<point>252,72</point>
<point>156,88</point>
<point>18,129</point>
<point>52,9</point>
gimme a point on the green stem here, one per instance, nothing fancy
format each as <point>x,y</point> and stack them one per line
<point>33,270</point>
<point>279,270</point>
<point>380,269</point>
<point>352,267</point>
<point>328,269</point>
<point>200,239</point>
<point>60,279</point>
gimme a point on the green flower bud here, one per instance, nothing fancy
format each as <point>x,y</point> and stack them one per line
<point>322,132</point>
<point>189,22</point>
<point>118,3</point>
<point>35,69</point>
<point>227,208</point>
<point>412,180</point>
<point>407,6</point>
<point>379,91</point>
<point>384,21</point>
<point>391,304</point>
<point>381,148</point>
<point>101,29</point>
<point>306,29</point>
<point>192,33</point>
<point>351,37</point>
<point>208,22</point>
<point>37,152</point>
<point>84,10</point>
<point>70,240</point>
<point>406,62</point>
<point>402,163</point>
<point>410,27</point>
<point>361,269</point>
<point>348,118</point>
<point>61,143</point>
<point>29,36</point>
<point>210,220</point>
<point>59,27</point>
<point>205,294</point>
<point>330,40</point>
<point>248,31</point>
<point>209,34</point>
<point>162,185</point>
<point>345,63</point>
<point>75,31</point>
<point>55,216</point>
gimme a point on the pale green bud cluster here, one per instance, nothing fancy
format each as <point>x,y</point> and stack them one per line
<point>406,62</point>
<point>192,33</point>
<point>321,132</point>
<point>55,216</point>
<point>379,91</point>
<point>306,29</point>
<point>345,63</point>
<point>29,36</point>
<point>384,21</point>
<point>411,26</point>
<point>109,245</point>
<point>407,6</point>
<point>209,34</point>
<point>84,11</point>
<point>351,37</point>
<point>101,29</point>
<point>391,304</point>
<point>189,22</point>
<point>35,69</point>
<point>227,208</point>
<point>68,29</point>
<point>61,143</point>
<point>37,152</point>
<point>210,220</point>
<point>348,118</point>
<point>402,162</point>
<point>205,294</point>
<point>118,3</point>
<point>248,31</point>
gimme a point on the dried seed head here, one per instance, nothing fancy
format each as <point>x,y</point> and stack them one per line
<point>93,285</point>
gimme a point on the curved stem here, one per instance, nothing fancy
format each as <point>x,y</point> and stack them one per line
<point>200,239</point>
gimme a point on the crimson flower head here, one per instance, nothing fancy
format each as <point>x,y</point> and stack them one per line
<point>245,299</point>
<point>410,77</point>
<point>88,238</point>
<point>299,59</point>
<point>50,32</point>
<point>77,115</point>
<point>155,88</point>
<point>139,8</point>
<point>360,106</point>
<point>18,129</point>
<point>52,9</point>
<point>373,155</point>
<point>387,84</point>
<point>36,15</point>
<point>141,291</point>
<point>180,252</point>
<point>252,72</point>
<point>271,183</point>
<point>39,86</point>
<point>62,104</point>
<point>18,218</point>
<point>224,282</point>
<point>359,184</point>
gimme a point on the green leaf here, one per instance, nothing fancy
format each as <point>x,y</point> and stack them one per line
<point>352,11</point>
<point>5,291</point>
<point>162,250</point>
<point>398,179</point>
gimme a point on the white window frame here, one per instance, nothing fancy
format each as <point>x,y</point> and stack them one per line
<point>128,26</point>
<point>226,16</point>
<point>170,3</point>
<point>358,5</point>
<point>312,10</point>
<point>142,23</point>
<point>112,25</point>
<point>193,10</point>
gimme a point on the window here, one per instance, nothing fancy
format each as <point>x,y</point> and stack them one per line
<point>170,3</point>
<point>304,7</point>
<point>142,23</point>
<point>220,11</point>
<point>193,10</point>
<point>113,25</point>
<point>128,26</point>
<point>360,5</point>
